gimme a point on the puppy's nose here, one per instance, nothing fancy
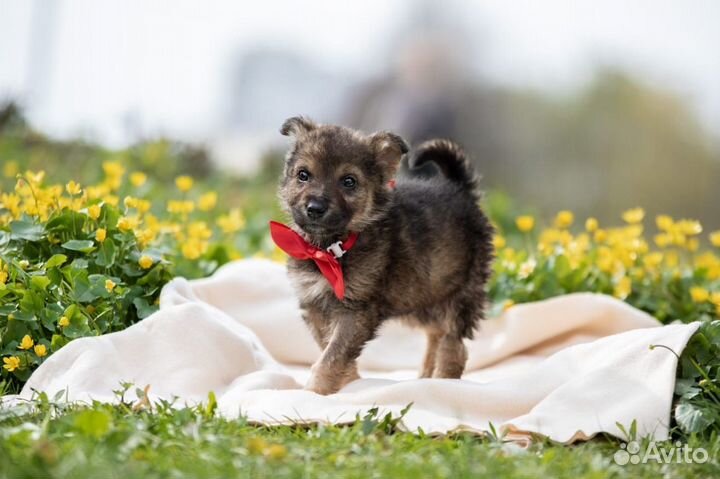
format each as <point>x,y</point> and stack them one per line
<point>316,208</point>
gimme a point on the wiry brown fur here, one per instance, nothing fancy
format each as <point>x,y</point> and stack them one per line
<point>423,252</point>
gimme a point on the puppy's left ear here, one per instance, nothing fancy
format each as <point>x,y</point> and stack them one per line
<point>297,126</point>
<point>389,149</point>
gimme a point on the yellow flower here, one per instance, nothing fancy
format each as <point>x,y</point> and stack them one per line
<point>143,206</point>
<point>689,227</point>
<point>715,238</point>
<point>207,201</point>
<point>653,259</point>
<point>184,183</point>
<point>130,202</point>
<point>199,230</point>
<point>73,188</point>
<point>11,202</point>
<point>525,223</point>
<point>144,236</point>
<point>12,363</point>
<point>277,255</point>
<point>40,350</point>
<point>109,285</point>
<point>699,295</point>
<point>111,200</point>
<point>623,288</point>
<point>34,178</point>
<point>183,207</point>
<point>276,451</point>
<point>96,192</point>
<point>664,222</point>
<point>591,225</point>
<point>145,261</point>
<point>100,235</point>
<point>499,242</point>
<point>113,169</point>
<point>128,223</point>
<point>3,272</point>
<point>94,211</point>
<point>27,342</point>
<point>564,219</point>
<point>138,178</point>
<point>634,215</point>
<point>600,236</point>
<point>231,222</point>
<point>715,298</point>
<point>191,250</point>
<point>64,321</point>
<point>663,240</point>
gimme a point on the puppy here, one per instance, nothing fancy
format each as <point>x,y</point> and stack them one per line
<point>422,248</point>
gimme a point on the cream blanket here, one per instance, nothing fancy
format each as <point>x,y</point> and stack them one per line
<point>566,368</point>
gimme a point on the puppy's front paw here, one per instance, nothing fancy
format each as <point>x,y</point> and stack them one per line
<point>328,379</point>
<point>320,385</point>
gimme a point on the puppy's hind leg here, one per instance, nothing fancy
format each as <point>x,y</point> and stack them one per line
<point>433,342</point>
<point>460,320</point>
<point>451,357</point>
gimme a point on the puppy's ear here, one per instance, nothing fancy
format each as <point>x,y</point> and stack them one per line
<point>389,149</point>
<point>297,126</point>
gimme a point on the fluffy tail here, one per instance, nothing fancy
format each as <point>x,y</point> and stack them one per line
<point>450,159</point>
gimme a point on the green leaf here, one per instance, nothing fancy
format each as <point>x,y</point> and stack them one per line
<point>686,388</point>
<point>211,405</point>
<point>691,418</point>
<point>31,302</point>
<point>78,326</point>
<point>93,422</point>
<point>55,260</point>
<point>23,229</point>
<point>78,279</point>
<point>79,263</point>
<point>84,246</point>
<point>70,221</point>
<point>143,308</point>
<point>106,254</point>
<point>50,316</point>
<point>39,282</point>
<point>57,342</point>
<point>97,285</point>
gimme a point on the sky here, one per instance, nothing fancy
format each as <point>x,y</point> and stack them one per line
<point>106,68</point>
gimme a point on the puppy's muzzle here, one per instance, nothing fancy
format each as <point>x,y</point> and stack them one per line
<point>316,208</point>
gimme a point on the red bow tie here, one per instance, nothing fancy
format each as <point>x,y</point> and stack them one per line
<point>326,260</point>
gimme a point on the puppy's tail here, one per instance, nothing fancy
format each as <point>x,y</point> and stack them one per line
<point>450,159</point>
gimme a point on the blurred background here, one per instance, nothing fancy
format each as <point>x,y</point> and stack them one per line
<point>590,106</point>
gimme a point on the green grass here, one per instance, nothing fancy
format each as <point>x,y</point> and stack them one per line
<point>97,441</point>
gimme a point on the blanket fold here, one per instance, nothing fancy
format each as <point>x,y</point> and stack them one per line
<point>566,368</point>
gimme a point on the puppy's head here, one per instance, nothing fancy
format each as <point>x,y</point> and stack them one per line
<point>335,179</point>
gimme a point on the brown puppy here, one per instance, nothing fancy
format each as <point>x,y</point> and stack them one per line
<point>423,250</point>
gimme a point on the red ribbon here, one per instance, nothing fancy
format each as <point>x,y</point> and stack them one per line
<point>296,246</point>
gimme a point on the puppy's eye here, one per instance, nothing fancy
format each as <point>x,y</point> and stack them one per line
<point>303,176</point>
<point>349,182</point>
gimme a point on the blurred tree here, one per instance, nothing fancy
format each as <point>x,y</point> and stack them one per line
<point>614,145</point>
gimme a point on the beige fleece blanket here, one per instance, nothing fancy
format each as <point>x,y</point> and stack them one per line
<point>566,368</point>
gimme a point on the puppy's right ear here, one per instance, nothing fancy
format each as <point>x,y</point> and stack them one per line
<point>297,126</point>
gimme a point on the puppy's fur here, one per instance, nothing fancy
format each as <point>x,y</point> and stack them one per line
<point>423,252</point>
